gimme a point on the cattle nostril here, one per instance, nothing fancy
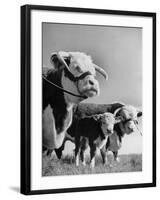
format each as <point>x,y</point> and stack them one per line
<point>91,82</point>
<point>109,131</point>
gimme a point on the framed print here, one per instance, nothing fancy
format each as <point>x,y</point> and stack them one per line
<point>88,99</point>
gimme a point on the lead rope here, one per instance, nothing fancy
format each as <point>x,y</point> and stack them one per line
<point>60,88</point>
<point>139,130</point>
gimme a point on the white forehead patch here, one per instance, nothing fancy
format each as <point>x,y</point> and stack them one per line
<point>130,111</point>
<point>83,61</point>
<point>108,118</point>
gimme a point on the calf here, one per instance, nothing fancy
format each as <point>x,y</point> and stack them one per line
<point>83,110</point>
<point>93,132</point>
<point>129,119</point>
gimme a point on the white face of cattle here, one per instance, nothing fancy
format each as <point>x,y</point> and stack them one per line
<point>107,121</point>
<point>78,63</point>
<point>129,115</point>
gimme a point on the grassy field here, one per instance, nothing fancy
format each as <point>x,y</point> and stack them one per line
<point>66,166</point>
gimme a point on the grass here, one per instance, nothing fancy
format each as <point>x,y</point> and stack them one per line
<point>66,166</point>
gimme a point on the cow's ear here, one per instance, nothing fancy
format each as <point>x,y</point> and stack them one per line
<point>60,58</point>
<point>97,117</point>
<point>139,113</point>
<point>118,119</point>
<point>55,61</point>
<point>67,60</point>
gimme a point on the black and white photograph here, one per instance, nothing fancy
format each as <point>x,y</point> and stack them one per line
<point>88,107</point>
<point>92,99</point>
<point>80,100</point>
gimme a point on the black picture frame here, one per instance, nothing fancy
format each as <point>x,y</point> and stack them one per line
<point>26,98</point>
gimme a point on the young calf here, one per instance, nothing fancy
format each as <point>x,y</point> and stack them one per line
<point>83,110</point>
<point>93,132</point>
<point>129,119</point>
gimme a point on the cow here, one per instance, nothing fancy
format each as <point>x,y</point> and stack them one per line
<point>129,120</point>
<point>93,131</point>
<point>71,81</point>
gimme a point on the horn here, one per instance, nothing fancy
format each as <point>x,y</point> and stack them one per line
<point>101,71</point>
<point>60,56</point>
<point>116,111</point>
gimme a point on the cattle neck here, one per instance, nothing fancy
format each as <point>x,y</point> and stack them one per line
<point>119,132</point>
<point>53,97</point>
<point>118,129</point>
<point>63,90</point>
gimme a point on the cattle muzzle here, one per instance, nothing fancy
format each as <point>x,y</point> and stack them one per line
<point>109,132</point>
<point>135,123</point>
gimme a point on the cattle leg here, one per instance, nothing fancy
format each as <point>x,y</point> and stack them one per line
<point>104,155</point>
<point>44,150</point>
<point>59,151</point>
<point>92,153</point>
<point>77,151</point>
<point>84,145</point>
<point>116,158</point>
<point>49,154</point>
<point>82,157</point>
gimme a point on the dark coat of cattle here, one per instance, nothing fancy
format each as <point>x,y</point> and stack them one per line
<point>54,100</point>
<point>88,109</point>
<point>83,110</point>
<point>93,131</point>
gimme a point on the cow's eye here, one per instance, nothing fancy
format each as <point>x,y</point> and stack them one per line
<point>78,69</point>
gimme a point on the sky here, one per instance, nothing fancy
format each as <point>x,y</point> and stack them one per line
<point>118,50</point>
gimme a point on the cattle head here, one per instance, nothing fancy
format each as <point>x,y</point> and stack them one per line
<point>129,118</point>
<point>107,121</point>
<point>80,71</point>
